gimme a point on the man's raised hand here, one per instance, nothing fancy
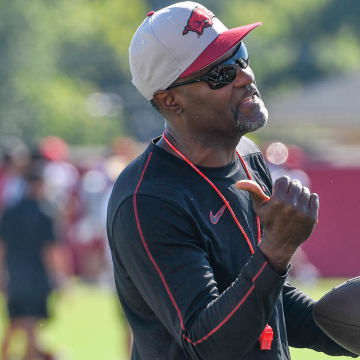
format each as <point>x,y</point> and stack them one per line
<point>288,217</point>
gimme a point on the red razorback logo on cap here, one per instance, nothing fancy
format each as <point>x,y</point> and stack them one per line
<point>199,19</point>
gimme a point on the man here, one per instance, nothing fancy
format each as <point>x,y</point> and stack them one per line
<point>191,273</point>
<point>27,246</point>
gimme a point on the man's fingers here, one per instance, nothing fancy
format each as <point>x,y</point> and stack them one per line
<point>314,204</point>
<point>281,187</point>
<point>295,195</point>
<point>295,191</point>
<point>304,201</point>
<point>256,193</point>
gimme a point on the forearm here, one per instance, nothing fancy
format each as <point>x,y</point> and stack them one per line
<point>238,316</point>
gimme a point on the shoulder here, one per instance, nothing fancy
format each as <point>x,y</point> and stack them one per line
<point>148,175</point>
<point>130,177</point>
<point>247,147</point>
<point>154,173</point>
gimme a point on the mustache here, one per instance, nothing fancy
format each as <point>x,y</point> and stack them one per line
<point>252,89</point>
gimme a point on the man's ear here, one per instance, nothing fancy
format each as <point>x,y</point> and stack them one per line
<point>166,101</point>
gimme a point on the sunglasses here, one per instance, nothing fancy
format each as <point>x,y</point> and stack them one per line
<point>223,73</point>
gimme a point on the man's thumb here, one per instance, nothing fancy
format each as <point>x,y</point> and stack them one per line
<point>256,193</point>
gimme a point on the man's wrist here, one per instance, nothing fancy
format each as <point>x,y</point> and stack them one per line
<point>278,259</point>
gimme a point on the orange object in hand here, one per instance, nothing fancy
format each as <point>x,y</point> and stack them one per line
<point>254,189</point>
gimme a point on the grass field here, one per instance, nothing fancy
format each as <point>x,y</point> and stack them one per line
<point>88,325</point>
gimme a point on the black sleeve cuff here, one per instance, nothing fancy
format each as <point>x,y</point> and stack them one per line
<point>261,274</point>
<point>283,273</point>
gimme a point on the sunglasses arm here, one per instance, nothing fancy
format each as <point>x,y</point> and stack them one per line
<point>184,83</point>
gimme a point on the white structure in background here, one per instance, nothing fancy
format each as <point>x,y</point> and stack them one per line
<point>332,102</point>
<point>324,116</point>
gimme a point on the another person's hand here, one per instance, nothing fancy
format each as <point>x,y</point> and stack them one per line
<point>288,219</point>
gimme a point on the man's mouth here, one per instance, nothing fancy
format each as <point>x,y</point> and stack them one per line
<point>249,100</point>
<point>250,97</point>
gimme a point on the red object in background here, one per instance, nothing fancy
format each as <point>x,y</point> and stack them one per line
<point>334,246</point>
<point>296,157</point>
<point>54,148</point>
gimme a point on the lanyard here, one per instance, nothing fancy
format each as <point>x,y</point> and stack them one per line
<point>267,335</point>
<point>219,192</point>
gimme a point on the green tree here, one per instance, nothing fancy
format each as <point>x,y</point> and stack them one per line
<point>299,41</point>
<point>55,54</point>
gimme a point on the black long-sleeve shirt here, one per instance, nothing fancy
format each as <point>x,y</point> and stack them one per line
<point>184,273</point>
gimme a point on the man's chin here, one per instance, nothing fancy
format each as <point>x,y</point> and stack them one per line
<point>251,122</point>
<point>251,125</point>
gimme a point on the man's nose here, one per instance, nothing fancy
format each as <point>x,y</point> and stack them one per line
<point>243,77</point>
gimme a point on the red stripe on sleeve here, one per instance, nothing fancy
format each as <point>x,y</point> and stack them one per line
<point>224,321</point>
<point>147,248</point>
<point>231,313</point>
<point>259,272</point>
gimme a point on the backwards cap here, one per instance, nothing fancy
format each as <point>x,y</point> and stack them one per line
<point>176,42</point>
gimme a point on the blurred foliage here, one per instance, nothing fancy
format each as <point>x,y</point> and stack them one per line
<point>300,41</point>
<point>55,55</point>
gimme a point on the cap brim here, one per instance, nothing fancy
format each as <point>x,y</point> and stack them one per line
<point>221,45</point>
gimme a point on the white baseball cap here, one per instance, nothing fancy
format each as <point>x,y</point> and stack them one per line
<point>177,41</point>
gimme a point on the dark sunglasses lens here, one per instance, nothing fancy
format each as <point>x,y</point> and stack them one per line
<point>241,53</point>
<point>225,73</point>
<point>221,76</point>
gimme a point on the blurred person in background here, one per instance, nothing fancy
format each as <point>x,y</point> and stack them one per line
<point>124,150</point>
<point>28,250</point>
<point>61,179</point>
<point>12,184</point>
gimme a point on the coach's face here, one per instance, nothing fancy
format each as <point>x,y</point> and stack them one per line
<point>232,110</point>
